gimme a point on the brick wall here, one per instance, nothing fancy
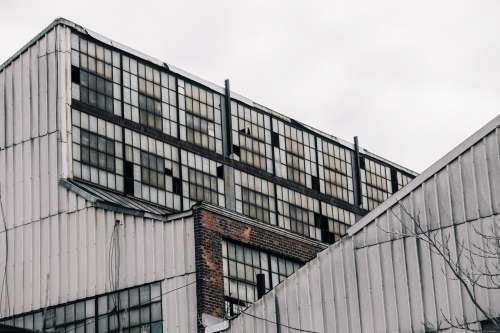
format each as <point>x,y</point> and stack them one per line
<point>210,229</point>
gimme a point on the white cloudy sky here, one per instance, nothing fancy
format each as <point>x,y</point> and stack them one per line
<point>411,78</point>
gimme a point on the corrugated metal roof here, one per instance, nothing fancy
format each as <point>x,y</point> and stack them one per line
<point>383,278</point>
<point>105,197</point>
<point>429,172</point>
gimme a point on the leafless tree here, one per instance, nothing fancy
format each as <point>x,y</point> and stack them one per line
<point>475,265</point>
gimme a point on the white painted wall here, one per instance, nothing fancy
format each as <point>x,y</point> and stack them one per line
<point>375,281</point>
<point>57,241</point>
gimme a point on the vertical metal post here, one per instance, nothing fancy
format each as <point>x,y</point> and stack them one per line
<point>357,174</point>
<point>227,119</point>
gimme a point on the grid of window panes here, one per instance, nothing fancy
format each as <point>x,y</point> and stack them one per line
<point>95,75</point>
<point>403,179</point>
<point>200,116</point>
<point>97,150</point>
<point>335,171</point>
<point>296,212</point>
<point>376,184</point>
<point>252,136</point>
<point>200,180</point>
<point>138,308</point>
<point>295,154</point>
<point>339,220</point>
<point>149,96</point>
<point>254,197</point>
<point>241,265</point>
<point>155,166</point>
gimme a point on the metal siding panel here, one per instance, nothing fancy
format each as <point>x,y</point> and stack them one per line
<point>18,108</point>
<point>37,202</point>
<point>316,304</point>
<point>26,93</point>
<point>87,216</point>
<point>462,237</point>
<point>45,262</point>
<point>101,252</point>
<point>364,289</point>
<point>28,265</point>
<point>292,308</point>
<point>493,226</point>
<point>401,283</point>
<point>469,185</point>
<point>42,87</point>
<point>34,90</point>
<point>52,81</point>
<point>428,295</point>
<point>493,160</point>
<point>9,199</point>
<point>351,280</point>
<point>476,228</point>
<point>3,125</point>
<point>431,205</point>
<point>453,285</point>
<point>388,278</point>
<point>130,249</point>
<point>54,263</point>
<point>377,288</point>
<point>149,250</point>
<point>52,173</point>
<point>9,107</point>
<point>27,193</point>
<point>444,197</point>
<point>82,257</point>
<point>17,257</point>
<point>340,292</point>
<point>18,185</point>
<point>73,256</point>
<point>482,179</point>
<point>383,229</point>
<point>304,298</point>
<point>327,289</point>
<point>440,285</point>
<point>44,179</point>
<point>64,98</point>
<point>414,283</point>
<point>140,245</point>
<point>418,212</point>
<point>64,288</point>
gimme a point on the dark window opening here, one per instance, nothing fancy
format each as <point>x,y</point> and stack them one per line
<point>315,183</point>
<point>75,75</point>
<point>275,139</point>
<point>394,180</point>
<point>220,171</point>
<point>129,177</point>
<point>177,185</point>
<point>236,150</point>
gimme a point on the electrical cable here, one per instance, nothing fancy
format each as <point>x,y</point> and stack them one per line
<point>278,324</point>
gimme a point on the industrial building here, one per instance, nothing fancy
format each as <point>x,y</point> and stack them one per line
<point>391,272</point>
<point>138,197</point>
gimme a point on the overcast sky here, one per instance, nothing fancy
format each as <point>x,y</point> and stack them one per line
<point>412,79</point>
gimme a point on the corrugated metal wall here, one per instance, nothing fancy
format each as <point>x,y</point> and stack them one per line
<point>378,281</point>
<point>57,242</point>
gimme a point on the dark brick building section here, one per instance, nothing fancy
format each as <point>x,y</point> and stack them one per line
<point>212,225</point>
